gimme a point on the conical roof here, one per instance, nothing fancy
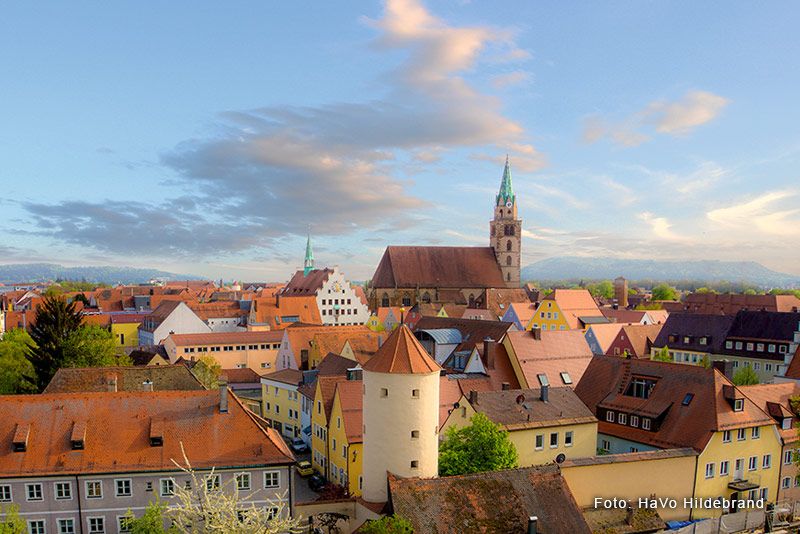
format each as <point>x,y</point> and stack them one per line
<point>506,193</point>
<point>402,354</point>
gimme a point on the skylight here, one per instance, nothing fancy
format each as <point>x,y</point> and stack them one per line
<point>543,379</point>
<point>687,399</point>
<point>566,378</point>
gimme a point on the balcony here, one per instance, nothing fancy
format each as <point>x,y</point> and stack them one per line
<point>744,481</point>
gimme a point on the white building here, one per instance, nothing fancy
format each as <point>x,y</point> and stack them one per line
<point>337,300</point>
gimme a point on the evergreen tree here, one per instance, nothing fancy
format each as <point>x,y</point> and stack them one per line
<point>55,321</point>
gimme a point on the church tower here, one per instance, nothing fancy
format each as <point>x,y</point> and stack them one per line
<point>505,231</point>
<point>308,262</point>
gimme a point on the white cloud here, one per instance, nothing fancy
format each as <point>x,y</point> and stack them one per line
<point>767,214</point>
<point>659,225</point>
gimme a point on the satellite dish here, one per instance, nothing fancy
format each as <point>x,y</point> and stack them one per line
<point>560,458</point>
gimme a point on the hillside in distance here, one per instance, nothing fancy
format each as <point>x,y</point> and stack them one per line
<point>606,268</point>
<point>43,272</point>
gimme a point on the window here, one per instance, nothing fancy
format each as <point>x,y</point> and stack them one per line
<point>566,378</point>
<point>787,458</point>
<point>610,416</point>
<point>757,366</point>
<point>539,442</point>
<point>212,482</point>
<point>756,432</point>
<point>729,344</point>
<point>606,445</point>
<point>741,434</point>
<point>645,423</point>
<point>272,479</point>
<point>124,523</point>
<point>66,526</point>
<point>640,388</point>
<point>634,421</point>
<point>782,349</point>
<point>768,366</point>
<point>414,464</point>
<point>750,346</point>
<point>752,465</point>
<point>5,493</point>
<point>633,449</point>
<point>687,400</point>
<point>167,487</point>
<point>710,470</point>
<point>63,490</point>
<point>36,526</point>
<point>763,493</point>
<point>786,482</point>
<point>414,434</point>
<point>622,419</point>
<point>123,487</point>
<point>543,381</point>
<point>738,404</point>
<point>148,486</point>
<point>723,468</point>
<point>34,492</point>
<point>97,525</point>
<point>384,392</point>
<point>553,440</point>
<point>760,347</point>
<point>568,439</point>
<point>766,462</point>
<point>415,393</point>
<point>771,347</point>
<point>726,436</point>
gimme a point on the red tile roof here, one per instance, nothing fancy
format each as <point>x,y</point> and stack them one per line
<point>163,378</point>
<point>118,429</point>
<point>302,285</point>
<point>350,393</point>
<point>767,396</point>
<point>558,351</point>
<point>439,267</point>
<point>402,353</point>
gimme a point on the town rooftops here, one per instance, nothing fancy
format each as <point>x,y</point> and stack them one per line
<point>694,331</point>
<point>497,501</point>
<point>285,376</point>
<point>524,408</point>
<point>118,428</point>
<point>640,337</point>
<point>350,394</point>
<point>219,338</point>
<point>97,379</point>
<point>153,319</point>
<point>438,267</point>
<point>577,305</point>
<point>776,400</point>
<point>473,331</point>
<point>402,354</point>
<point>303,285</point>
<point>560,355</point>
<point>766,327</point>
<point>729,303</point>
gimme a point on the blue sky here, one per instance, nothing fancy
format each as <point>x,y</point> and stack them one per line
<point>206,138</point>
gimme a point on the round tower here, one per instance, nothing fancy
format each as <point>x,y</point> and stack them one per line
<point>401,414</point>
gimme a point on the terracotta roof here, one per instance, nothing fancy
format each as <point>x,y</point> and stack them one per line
<point>333,339</point>
<point>302,285</point>
<point>793,371</point>
<point>478,313</point>
<point>729,304</point>
<point>333,364</point>
<point>327,387</point>
<point>675,423</point>
<point>126,318</point>
<point>439,267</point>
<point>117,433</point>
<point>498,299</point>
<point>216,338</point>
<point>642,456</point>
<point>158,315</point>
<point>241,376</point>
<point>524,311</point>
<point>286,376</point>
<point>641,337</point>
<point>558,351</point>
<point>766,395</point>
<point>359,291</point>
<point>658,316</point>
<point>265,311</point>
<point>523,408</point>
<point>402,354</point>
<point>492,502</point>
<point>350,393</point>
<point>623,315</point>
<point>383,313</point>
<point>301,336</point>
<point>215,310</point>
<point>605,334</point>
<point>696,326</point>
<point>451,389</point>
<point>574,303</point>
<point>96,379</point>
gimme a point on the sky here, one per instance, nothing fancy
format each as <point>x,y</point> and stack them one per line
<point>209,138</point>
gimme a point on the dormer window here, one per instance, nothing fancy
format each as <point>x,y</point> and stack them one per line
<point>687,340</point>
<point>78,437</point>
<point>738,405</point>
<point>786,424</point>
<point>704,340</point>
<point>729,344</point>
<point>20,439</point>
<point>640,387</point>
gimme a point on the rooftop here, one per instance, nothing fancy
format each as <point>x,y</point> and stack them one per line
<point>402,354</point>
<point>97,379</point>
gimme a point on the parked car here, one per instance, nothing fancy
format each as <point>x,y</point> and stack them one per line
<point>304,468</point>
<point>316,482</point>
<point>298,445</point>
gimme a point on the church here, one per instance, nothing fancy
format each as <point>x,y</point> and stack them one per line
<point>407,275</point>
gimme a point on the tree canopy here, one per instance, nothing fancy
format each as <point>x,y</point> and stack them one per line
<point>388,524</point>
<point>662,355</point>
<point>17,374</point>
<point>745,376</point>
<point>480,446</point>
<point>664,292</point>
<point>92,346</point>
<point>55,321</point>
<point>207,371</point>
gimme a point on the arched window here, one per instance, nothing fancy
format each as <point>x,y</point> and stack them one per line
<point>512,230</point>
<point>506,230</point>
<point>508,245</point>
<point>508,260</point>
<point>508,277</point>
<point>385,300</point>
<point>426,297</point>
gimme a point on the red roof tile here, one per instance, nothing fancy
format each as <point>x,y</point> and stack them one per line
<point>402,354</point>
<point>440,267</point>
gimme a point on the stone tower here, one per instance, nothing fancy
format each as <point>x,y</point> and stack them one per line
<point>621,292</point>
<point>505,231</point>
<point>400,414</point>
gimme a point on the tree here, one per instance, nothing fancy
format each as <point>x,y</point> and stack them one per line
<point>92,346</point>
<point>745,376</point>
<point>662,355</point>
<point>151,522</point>
<point>80,297</point>
<point>207,371</point>
<point>388,524</point>
<point>11,522</point>
<point>480,446</point>
<point>55,320</point>
<point>16,372</point>
<point>664,292</point>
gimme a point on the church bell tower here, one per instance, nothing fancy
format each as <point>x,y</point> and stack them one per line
<point>505,231</point>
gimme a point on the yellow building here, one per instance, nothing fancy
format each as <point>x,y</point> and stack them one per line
<point>281,401</point>
<point>645,405</point>
<point>545,425</point>
<point>125,329</point>
<point>345,436</point>
<point>325,390</point>
<point>566,309</point>
<point>257,350</point>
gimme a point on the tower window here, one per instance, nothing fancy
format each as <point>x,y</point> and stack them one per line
<point>414,434</point>
<point>508,277</point>
<point>426,297</point>
<point>385,300</point>
<point>508,260</point>
<point>414,464</point>
<point>415,393</point>
<point>384,392</point>
<point>508,246</point>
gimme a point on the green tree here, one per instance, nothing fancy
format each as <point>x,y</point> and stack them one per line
<point>80,297</point>
<point>16,372</point>
<point>664,292</point>
<point>662,355</point>
<point>480,446</point>
<point>55,321</point>
<point>92,346</point>
<point>12,523</point>
<point>745,376</point>
<point>151,522</point>
<point>388,524</point>
<point>207,371</point>
<point>750,291</point>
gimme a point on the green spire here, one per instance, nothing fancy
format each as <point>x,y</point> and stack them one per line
<point>506,193</point>
<point>308,264</point>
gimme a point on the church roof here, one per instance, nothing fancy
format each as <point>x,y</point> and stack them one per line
<point>506,193</point>
<point>402,354</point>
<point>440,267</point>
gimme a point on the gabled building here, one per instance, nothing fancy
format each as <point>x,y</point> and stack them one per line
<point>600,336</point>
<point>170,317</point>
<point>557,358</point>
<point>762,340</point>
<point>129,379</point>
<point>274,313</point>
<point>256,350</point>
<point>634,340</point>
<point>519,313</point>
<point>566,309</point>
<point>691,338</point>
<point>281,403</point>
<point>345,438</point>
<point>644,405</point>
<point>298,345</point>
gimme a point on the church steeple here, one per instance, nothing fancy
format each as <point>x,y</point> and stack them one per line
<point>308,263</point>
<point>506,193</point>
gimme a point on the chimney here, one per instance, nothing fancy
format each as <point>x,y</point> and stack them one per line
<point>111,383</point>
<point>147,385</point>
<point>505,386</point>
<point>536,333</point>
<point>725,367</point>
<point>544,393</point>
<point>489,346</point>
<point>533,521</point>
<point>473,396</point>
<point>223,396</point>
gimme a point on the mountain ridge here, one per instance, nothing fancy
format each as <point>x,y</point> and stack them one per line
<point>104,274</point>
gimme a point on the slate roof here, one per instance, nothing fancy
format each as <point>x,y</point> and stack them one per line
<point>401,353</point>
<point>761,326</point>
<point>493,502</point>
<point>96,379</point>
<point>118,427</point>
<point>695,325</point>
<point>438,267</point>
<point>677,424</point>
<point>523,408</point>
